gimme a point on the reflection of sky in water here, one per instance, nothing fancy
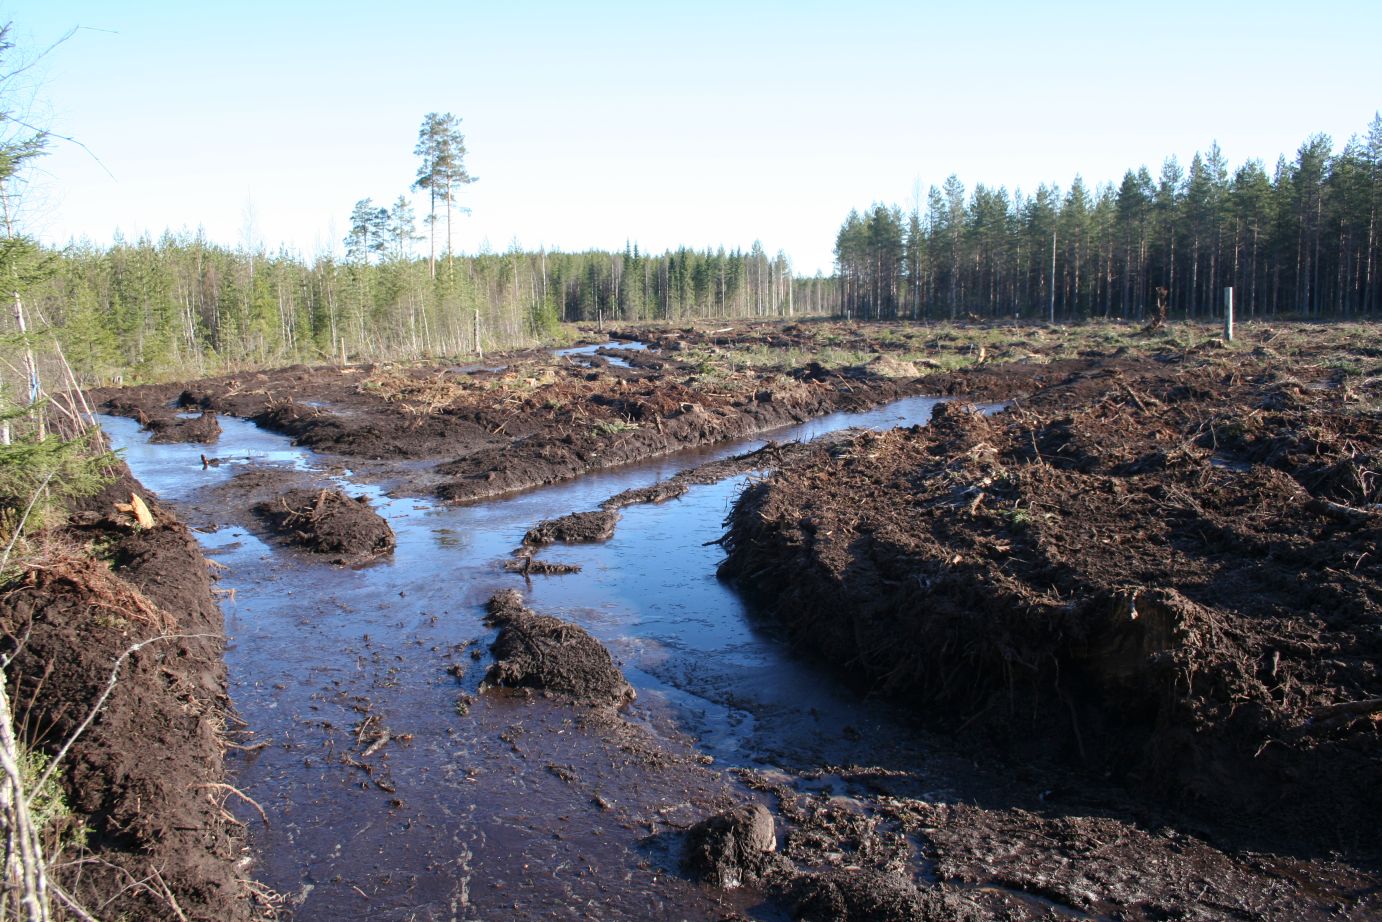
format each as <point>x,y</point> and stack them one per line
<point>311,641</point>
<point>577,352</point>
<point>175,471</point>
<point>650,593</point>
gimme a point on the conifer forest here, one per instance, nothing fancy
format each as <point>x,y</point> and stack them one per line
<point>1299,240</point>
<point>1018,564</point>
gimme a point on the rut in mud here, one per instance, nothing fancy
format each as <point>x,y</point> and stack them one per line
<point>366,684</point>
<point>539,420</point>
<point>1165,572</point>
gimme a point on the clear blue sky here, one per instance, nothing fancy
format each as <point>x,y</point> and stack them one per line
<point>702,124</point>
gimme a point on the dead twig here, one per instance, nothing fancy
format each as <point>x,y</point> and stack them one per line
<point>232,789</point>
<point>1348,515</point>
<point>167,895</point>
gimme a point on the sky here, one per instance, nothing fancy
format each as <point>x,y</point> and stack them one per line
<point>594,124</point>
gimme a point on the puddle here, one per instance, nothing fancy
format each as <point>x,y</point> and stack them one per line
<point>1230,463</point>
<point>175,471</point>
<point>475,368</point>
<point>582,354</point>
<point>467,818</point>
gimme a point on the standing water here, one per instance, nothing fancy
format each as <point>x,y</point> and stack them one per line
<point>492,806</point>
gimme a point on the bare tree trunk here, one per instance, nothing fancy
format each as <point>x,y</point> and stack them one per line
<point>448,229</point>
<point>25,872</point>
<point>30,367</point>
<point>432,235</point>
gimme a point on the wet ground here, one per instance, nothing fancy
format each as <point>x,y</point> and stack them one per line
<point>393,788</point>
<point>450,811</point>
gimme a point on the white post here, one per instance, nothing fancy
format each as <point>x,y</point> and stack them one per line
<point>479,349</point>
<point>1228,314</point>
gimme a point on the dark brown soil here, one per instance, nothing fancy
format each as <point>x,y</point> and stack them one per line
<point>863,895</point>
<point>146,779</point>
<point>557,657</point>
<point>576,528</point>
<point>167,429</point>
<point>878,843</point>
<point>1103,867</point>
<point>541,420</point>
<point>527,566</point>
<point>1162,570</point>
<point>733,847</point>
<point>161,420</point>
<point>328,522</point>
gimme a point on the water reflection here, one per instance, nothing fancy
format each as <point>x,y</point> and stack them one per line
<point>315,648</point>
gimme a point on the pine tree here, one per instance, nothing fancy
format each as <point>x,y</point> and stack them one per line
<point>1134,205</point>
<point>369,230</point>
<point>400,229</point>
<point>442,149</point>
<point>1249,207</point>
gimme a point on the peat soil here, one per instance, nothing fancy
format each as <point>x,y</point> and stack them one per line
<point>538,419</point>
<point>114,607</point>
<point>1037,828</point>
<point>557,657</point>
<point>1156,573</point>
<point>326,521</point>
<point>608,811</point>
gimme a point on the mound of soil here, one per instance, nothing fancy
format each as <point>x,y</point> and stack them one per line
<point>147,777</point>
<point>1157,570</point>
<point>575,528</point>
<point>863,895</point>
<point>524,564</point>
<point>660,492</point>
<point>733,847</point>
<point>328,522</point>
<point>560,658</point>
<point>888,367</point>
<point>169,429</point>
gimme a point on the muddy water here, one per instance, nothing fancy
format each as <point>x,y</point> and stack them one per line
<point>583,354</point>
<point>484,806</point>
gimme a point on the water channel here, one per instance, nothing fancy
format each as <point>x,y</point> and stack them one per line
<point>488,806</point>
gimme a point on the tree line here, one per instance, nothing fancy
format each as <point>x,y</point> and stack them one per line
<point>1302,240</point>
<point>183,304</point>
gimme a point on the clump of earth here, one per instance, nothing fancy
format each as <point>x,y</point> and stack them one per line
<point>327,521</point>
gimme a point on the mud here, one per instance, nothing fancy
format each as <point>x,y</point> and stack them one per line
<point>576,528</point>
<point>527,566</point>
<point>556,657</point>
<point>1158,570</point>
<point>202,429</point>
<point>146,780</point>
<point>860,895</point>
<point>733,847</point>
<point>164,422</point>
<point>326,521</point>
<point>517,805</point>
<point>540,420</point>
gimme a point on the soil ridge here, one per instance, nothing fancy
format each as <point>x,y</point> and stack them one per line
<point>1171,574</point>
<point>147,779</point>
